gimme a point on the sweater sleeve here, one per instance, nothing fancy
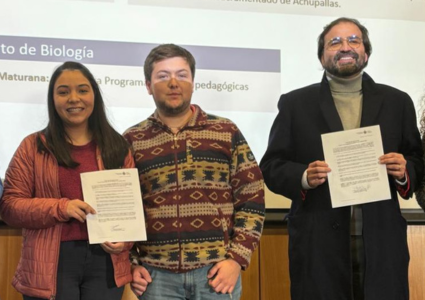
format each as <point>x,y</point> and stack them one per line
<point>19,207</point>
<point>248,200</point>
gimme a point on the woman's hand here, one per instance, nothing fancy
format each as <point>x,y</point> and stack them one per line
<point>78,210</point>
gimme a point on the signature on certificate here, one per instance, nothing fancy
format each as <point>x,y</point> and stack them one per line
<point>361,188</point>
<point>117,228</point>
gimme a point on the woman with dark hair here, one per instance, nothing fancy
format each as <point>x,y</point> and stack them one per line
<point>43,195</point>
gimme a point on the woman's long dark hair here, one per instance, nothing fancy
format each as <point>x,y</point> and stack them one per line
<point>113,147</point>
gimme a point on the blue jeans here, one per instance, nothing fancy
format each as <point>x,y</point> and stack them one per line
<point>192,285</point>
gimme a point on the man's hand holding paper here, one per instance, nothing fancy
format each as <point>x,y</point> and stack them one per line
<point>317,172</point>
<point>396,165</point>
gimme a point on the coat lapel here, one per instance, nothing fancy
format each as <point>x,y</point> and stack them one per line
<point>328,107</point>
<point>372,102</point>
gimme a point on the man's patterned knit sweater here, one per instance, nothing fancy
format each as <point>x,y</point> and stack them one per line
<point>203,192</point>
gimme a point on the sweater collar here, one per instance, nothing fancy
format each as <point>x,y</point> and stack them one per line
<point>346,85</point>
<point>198,118</point>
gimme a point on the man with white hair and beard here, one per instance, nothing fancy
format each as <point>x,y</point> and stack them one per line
<point>321,253</point>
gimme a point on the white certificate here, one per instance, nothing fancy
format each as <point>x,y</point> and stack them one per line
<point>116,197</point>
<point>356,175</point>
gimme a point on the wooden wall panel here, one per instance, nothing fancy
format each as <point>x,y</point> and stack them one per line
<point>10,252</point>
<point>274,264</point>
<point>416,240</point>
<point>128,293</point>
<point>251,279</point>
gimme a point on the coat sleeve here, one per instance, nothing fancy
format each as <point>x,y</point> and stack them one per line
<point>248,201</point>
<point>282,174</point>
<point>420,192</point>
<point>411,148</point>
<point>19,207</point>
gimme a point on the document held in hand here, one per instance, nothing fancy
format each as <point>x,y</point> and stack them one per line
<point>116,197</point>
<point>356,175</point>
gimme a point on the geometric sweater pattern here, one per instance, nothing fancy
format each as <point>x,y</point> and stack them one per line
<point>203,193</point>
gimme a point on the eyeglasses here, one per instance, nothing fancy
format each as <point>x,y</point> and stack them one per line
<point>336,43</point>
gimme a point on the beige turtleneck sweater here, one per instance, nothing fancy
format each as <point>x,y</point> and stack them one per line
<point>348,99</point>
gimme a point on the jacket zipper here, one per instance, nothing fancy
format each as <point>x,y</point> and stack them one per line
<point>58,194</point>
<point>176,146</point>
<point>53,297</point>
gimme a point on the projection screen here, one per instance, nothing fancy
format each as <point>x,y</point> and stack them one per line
<point>248,53</point>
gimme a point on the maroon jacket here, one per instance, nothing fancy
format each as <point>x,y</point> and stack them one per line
<point>33,202</point>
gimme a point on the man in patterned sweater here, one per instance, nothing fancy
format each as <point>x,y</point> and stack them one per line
<point>202,190</point>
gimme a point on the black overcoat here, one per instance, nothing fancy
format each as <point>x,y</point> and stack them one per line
<point>319,236</point>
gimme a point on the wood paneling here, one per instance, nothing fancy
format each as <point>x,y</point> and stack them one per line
<point>274,264</point>
<point>10,252</point>
<point>128,293</point>
<point>416,241</point>
<point>251,279</point>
